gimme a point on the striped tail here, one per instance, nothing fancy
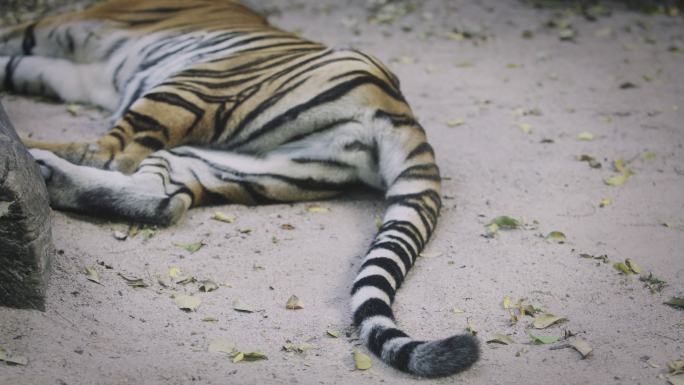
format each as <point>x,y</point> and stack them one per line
<point>414,202</point>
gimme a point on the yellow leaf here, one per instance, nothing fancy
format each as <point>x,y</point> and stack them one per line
<point>293,303</point>
<point>555,236</point>
<point>174,272</point>
<point>582,347</point>
<point>455,122</point>
<point>545,320</point>
<point>526,128</point>
<point>221,217</point>
<point>362,361</point>
<point>649,155</point>
<point>605,202</point>
<point>92,275</point>
<point>585,136</point>
<point>617,180</point>
<point>238,357</point>
<point>621,267</point>
<point>632,266</point>
<point>507,302</point>
<point>318,209</point>
<point>619,165</point>
<point>457,311</point>
<point>333,333</point>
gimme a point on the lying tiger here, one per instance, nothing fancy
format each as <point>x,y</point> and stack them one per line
<point>213,105</point>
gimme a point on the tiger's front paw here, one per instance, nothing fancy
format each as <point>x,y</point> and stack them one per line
<point>48,162</point>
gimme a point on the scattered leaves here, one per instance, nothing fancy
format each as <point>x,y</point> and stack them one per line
<point>293,303</point>
<point>555,237</point>
<point>187,302</point>
<point>500,339</point>
<point>92,275</point>
<point>545,320</point>
<point>221,217</point>
<point>333,333</point>
<point>582,347</point>
<point>191,247</point>
<point>362,361</point>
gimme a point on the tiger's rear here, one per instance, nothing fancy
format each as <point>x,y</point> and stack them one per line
<point>212,105</point>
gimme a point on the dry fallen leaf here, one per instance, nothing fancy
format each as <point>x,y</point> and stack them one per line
<point>633,266</point>
<point>293,303</point>
<point>605,202</point>
<point>207,285</point>
<point>500,339</point>
<point>507,302</point>
<point>675,366</point>
<point>187,302</point>
<point>241,307</point>
<point>454,122</point>
<point>586,136</point>
<point>362,361</point>
<point>133,281</point>
<point>333,333</point>
<point>545,320</point>
<point>287,226</point>
<point>221,217</point>
<point>318,209</point>
<point>543,340</point>
<point>174,272</point>
<point>675,302</point>
<point>191,247</point>
<point>526,128</point>
<point>11,358</point>
<point>92,275</point>
<point>555,237</point>
<point>582,347</point>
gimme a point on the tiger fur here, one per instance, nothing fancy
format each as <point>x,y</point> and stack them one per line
<point>213,105</point>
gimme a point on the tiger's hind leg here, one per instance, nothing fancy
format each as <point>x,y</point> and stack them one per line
<point>167,183</point>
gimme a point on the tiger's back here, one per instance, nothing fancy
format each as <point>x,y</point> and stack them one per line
<point>212,105</point>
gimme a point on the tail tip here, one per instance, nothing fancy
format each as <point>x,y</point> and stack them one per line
<point>445,357</point>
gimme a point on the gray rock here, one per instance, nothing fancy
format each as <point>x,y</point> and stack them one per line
<point>26,246</point>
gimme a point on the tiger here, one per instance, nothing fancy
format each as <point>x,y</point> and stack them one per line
<point>212,105</point>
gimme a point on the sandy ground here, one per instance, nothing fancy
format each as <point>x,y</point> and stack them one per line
<point>491,81</point>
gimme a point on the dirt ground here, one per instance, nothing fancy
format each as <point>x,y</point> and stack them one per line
<point>504,95</point>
